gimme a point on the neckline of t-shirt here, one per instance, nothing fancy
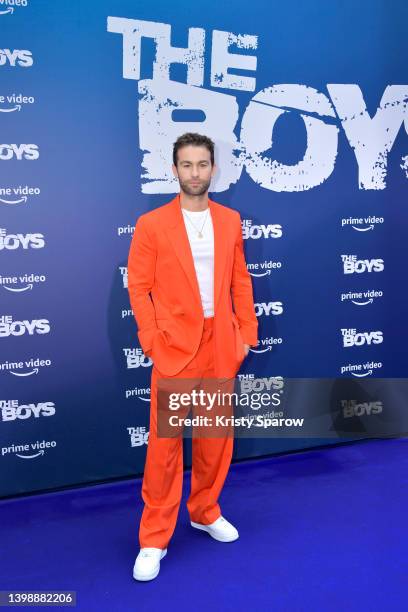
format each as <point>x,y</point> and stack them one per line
<point>196,212</point>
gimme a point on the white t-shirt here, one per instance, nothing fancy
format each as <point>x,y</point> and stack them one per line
<point>203,254</point>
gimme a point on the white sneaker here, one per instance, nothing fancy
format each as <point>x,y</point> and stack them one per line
<point>147,564</point>
<point>220,530</point>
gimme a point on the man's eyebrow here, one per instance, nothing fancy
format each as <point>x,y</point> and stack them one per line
<point>202,161</point>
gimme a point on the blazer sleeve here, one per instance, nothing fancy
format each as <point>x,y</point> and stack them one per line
<point>242,293</point>
<point>141,269</point>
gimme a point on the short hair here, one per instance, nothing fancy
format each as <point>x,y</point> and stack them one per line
<point>197,140</point>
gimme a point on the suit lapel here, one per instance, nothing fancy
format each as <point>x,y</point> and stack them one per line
<point>178,237</point>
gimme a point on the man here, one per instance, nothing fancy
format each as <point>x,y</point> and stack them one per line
<point>188,254</point>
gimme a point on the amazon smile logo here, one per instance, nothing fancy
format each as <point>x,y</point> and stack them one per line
<point>11,6</point>
<point>18,289</point>
<point>26,281</point>
<point>363,229</point>
<point>263,268</point>
<point>14,102</point>
<point>362,224</point>
<point>11,196</point>
<point>32,366</point>
<point>17,107</point>
<point>266,273</point>
<point>34,371</point>
<point>141,393</point>
<point>361,298</point>
<point>22,200</point>
<point>264,350</point>
<point>266,344</point>
<point>361,370</point>
<point>32,450</point>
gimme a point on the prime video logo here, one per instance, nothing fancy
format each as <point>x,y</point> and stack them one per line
<point>37,449</point>
<point>11,6</point>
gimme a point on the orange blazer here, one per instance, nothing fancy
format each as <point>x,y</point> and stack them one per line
<point>170,322</point>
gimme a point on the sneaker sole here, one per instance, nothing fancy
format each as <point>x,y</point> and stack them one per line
<point>145,577</point>
<point>218,538</point>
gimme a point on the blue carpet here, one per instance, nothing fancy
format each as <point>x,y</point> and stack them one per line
<point>322,529</point>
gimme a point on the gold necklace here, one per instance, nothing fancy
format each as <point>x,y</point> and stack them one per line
<point>199,232</point>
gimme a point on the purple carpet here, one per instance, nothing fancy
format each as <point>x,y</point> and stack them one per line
<point>321,529</point>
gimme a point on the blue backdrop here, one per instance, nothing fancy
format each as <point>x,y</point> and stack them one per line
<point>307,104</point>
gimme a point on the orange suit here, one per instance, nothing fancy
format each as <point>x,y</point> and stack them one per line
<point>182,343</point>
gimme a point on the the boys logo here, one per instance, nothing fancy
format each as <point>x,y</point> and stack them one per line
<point>10,410</point>
<point>25,241</point>
<point>19,152</point>
<point>138,436</point>
<point>135,358</point>
<point>8,327</point>
<point>353,338</point>
<point>16,57</point>
<point>124,273</point>
<point>262,384</point>
<point>247,133</point>
<point>260,231</point>
<point>270,308</point>
<point>353,265</point>
<point>352,408</point>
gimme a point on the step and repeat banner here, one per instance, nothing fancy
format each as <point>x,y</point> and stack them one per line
<point>307,105</point>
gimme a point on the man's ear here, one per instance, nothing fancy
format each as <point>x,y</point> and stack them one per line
<point>173,167</point>
<point>214,169</point>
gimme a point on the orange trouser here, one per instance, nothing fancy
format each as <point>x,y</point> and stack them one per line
<point>163,474</point>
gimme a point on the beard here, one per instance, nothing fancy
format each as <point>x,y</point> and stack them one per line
<point>192,190</point>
